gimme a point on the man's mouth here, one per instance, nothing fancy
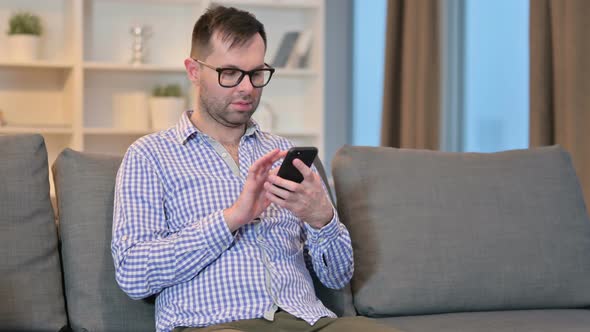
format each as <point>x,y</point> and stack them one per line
<point>242,105</point>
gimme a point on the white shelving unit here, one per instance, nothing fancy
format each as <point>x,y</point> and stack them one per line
<point>67,95</point>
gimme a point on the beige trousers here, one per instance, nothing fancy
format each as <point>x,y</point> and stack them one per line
<point>285,322</point>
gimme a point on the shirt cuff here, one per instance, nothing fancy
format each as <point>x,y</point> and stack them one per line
<point>216,233</point>
<point>326,234</point>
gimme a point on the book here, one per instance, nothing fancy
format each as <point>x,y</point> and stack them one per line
<point>285,49</point>
<point>299,57</point>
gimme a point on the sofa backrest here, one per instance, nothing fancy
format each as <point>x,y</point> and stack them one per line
<point>85,185</point>
<point>437,232</point>
<point>31,294</point>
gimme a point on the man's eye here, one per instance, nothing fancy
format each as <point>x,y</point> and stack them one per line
<point>230,73</point>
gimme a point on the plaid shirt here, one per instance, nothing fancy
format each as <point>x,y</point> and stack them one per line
<point>170,237</point>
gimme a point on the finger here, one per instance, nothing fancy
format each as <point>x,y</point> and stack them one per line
<point>279,181</point>
<point>265,204</point>
<point>274,158</point>
<point>276,200</point>
<point>277,157</point>
<point>305,171</point>
<point>262,161</point>
<point>267,157</point>
<point>281,155</point>
<point>274,171</point>
<point>277,191</point>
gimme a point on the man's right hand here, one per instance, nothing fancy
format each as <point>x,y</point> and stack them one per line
<point>252,201</point>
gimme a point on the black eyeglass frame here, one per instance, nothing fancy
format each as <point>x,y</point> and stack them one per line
<point>243,73</point>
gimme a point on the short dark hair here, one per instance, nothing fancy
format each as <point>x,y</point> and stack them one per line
<point>234,25</point>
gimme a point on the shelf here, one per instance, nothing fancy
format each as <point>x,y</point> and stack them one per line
<point>299,133</point>
<point>108,66</point>
<point>35,64</point>
<point>35,130</point>
<point>181,2</point>
<point>293,72</point>
<point>72,94</point>
<point>116,131</point>
<point>113,66</point>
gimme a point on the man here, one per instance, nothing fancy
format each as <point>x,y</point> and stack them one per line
<point>200,219</point>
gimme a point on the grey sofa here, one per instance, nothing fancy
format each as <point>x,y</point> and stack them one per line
<point>443,242</point>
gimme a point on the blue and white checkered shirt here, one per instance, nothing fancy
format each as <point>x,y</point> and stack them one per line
<point>170,237</point>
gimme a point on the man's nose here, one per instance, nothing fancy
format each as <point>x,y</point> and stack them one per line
<point>245,84</point>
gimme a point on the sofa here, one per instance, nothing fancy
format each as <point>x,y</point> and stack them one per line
<point>442,241</point>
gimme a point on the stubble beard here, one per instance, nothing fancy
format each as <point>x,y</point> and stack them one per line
<point>218,110</point>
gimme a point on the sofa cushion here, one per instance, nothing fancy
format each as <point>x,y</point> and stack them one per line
<point>31,294</point>
<point>496,321</point>
<point>438,232</point>
<point>85,184</point>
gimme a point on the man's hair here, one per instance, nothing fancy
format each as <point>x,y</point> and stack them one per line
<point>233,25</point>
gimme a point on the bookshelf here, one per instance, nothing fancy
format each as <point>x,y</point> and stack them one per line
<point>67,95</point>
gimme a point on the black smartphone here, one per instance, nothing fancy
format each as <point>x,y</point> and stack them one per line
<point>307,154</point>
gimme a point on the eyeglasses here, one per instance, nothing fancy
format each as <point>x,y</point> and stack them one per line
<point>230,77</point>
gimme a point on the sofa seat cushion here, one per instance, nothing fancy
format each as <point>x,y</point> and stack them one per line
<point>496,321</point>
<point>85,185</point>
<point>31,295</point>
<point>437,232</point>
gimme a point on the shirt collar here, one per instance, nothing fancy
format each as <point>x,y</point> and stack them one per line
<point>252,128</point>
<point>186,130</point>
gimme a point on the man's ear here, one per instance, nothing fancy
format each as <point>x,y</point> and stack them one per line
<point>192,70</point>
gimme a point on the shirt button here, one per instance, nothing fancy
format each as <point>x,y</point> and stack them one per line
<point>124,238</point>
<point>224,155</point>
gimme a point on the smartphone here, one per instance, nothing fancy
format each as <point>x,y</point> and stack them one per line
<point>288,171</point>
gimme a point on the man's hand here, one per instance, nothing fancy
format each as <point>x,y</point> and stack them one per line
<point>252,201</point>
<point>307,200</point>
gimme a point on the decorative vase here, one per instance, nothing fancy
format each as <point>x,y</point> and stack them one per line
<point>140,34</point>
<point>23,47</point>
<point>165,111</point>
<point>130,111</point>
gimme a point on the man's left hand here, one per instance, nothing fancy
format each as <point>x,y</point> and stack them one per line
<point>306,200</point>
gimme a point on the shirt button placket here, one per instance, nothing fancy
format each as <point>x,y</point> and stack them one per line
<point>268,315</point>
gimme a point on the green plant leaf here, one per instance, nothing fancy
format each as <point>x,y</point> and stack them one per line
<point>170,90</point>
<point>25,23</point>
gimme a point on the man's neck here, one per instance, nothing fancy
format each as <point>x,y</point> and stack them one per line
<point>222,134</point>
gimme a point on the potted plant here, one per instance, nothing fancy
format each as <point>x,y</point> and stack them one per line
<point>24,32</point>
<point>166,106</point>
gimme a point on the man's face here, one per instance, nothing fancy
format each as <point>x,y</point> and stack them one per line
<point>231,107</point>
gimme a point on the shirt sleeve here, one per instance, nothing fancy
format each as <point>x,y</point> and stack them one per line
<point>329,251</point>
<point>148,257</point>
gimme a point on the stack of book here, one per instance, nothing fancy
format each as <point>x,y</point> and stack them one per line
<point>294,50</point>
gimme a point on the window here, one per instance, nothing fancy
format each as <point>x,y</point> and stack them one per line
<point>496,75</point>
<point>368,63</point>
